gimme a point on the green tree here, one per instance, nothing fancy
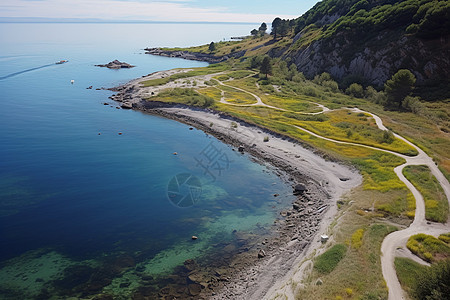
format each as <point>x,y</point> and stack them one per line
<point>263,28</point>
<point>254,32</point>
<point>276,23</point>
<point>266,66</point>
<point>398,87</point>
<point>212,47</point>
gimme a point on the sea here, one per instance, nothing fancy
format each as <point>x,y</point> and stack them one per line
<point>93,199</point>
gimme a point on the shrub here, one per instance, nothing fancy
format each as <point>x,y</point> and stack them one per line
<point>355,90</point>
<point>357,238</point>
<point>266,139</point>
<point>434,283</point>
<point>328,261</point>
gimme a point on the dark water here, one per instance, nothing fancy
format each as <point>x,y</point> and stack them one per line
<point>73,190</point>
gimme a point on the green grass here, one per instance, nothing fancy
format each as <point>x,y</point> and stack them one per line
<point>408,271</point>
<point>237,97</point>
<point>328,261</point>
<point>445,238</point>
<point>184,96</point>
<point>428,247</point>
<point>436,203</point>
<point>211,69</point>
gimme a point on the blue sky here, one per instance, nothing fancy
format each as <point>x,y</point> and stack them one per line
<point>158,10</point>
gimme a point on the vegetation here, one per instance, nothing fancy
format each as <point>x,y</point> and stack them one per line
<point>266,66</point>
<point>436,203</point>
<point>434,283</point>
<point>326,262</point>
<point>408,272</point>
<point>421,282</point>
<point>398,87</point>
<point>185,96</point>
<point>212,47</point>
<point>428,247</point>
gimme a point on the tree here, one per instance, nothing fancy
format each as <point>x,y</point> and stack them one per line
<point>398,87</point>
<point>254,32</point>
<point>276,26</point>
<point>263,28</point>
<point>266,66</point>
<point>355,90</point>
<point>212,47</point>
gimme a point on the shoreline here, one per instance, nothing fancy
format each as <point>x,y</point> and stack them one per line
<point>297,233</point>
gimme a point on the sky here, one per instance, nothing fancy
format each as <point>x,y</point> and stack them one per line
<point>248,11</point>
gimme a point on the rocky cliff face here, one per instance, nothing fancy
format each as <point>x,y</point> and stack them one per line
<point>376,60</point>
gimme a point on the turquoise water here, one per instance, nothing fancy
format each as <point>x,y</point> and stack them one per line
<point>74,191</point>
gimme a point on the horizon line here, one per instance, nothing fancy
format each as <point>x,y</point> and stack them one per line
<point>91,21</point>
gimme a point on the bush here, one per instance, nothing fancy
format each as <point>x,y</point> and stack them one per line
<point>434,283</point>
<point>355,90</point>
<point>357,238</point>
<point>413,104</point>
<point>328,261</point>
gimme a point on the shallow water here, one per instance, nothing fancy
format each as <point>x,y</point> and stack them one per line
<point>75,192</point>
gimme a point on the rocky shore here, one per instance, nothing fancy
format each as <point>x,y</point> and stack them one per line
<point>257,263</point>
<point>210,58</point>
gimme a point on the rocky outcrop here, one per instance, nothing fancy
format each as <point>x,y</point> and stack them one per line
<point>376,60</point>
<point>210,58</point>
<point>115,64</point>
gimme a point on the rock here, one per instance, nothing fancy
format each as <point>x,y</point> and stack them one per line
<point>194,237</point>
<point>319,282</point>
<point>127,105</point>
<point>299,189</point>
<point>261,253</point>
<point>296,206</point>
<point>115,64</point>
<point>106,103</point>
<point>195,289</point>
<point>190,265</point>
<point>241,148</point>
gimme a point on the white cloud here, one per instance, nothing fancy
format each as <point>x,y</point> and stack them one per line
<point>175,10</point>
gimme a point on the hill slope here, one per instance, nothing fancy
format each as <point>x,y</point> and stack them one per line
<point>369,40</point>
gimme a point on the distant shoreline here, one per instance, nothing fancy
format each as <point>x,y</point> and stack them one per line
<point>96,21</point>
<point>297,233</point>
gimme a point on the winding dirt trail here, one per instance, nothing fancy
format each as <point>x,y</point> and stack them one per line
<point>397,239</point>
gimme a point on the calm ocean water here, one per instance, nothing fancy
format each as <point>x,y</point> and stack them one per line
<point>70,193</point>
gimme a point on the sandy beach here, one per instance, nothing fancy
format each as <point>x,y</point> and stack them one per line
<point>265,270</point>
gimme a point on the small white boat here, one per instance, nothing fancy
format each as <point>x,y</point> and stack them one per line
<point>61,62</point>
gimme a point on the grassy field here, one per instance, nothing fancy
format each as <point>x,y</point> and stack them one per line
<point>408,271</point>
<point>357,274</point>
<point>436,203</point>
